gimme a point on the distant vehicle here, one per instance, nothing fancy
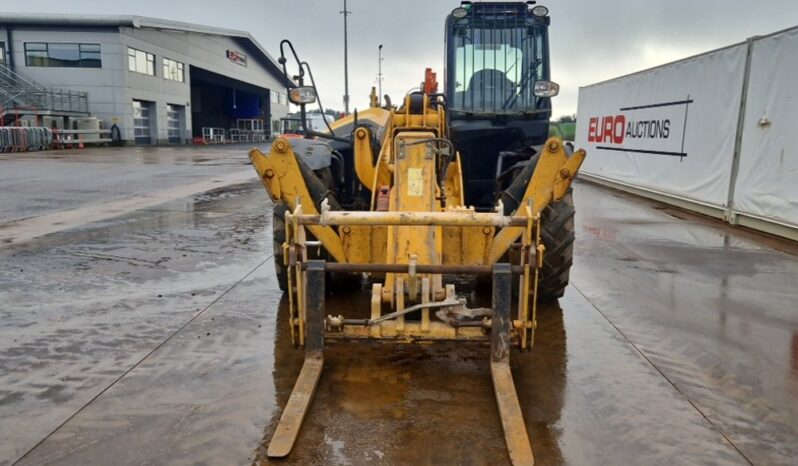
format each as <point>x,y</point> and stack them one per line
<point>291,125</point>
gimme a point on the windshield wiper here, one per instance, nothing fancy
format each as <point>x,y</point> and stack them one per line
<point>523,84</point>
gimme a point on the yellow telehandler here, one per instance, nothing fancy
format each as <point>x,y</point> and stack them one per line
<point>411,199</point>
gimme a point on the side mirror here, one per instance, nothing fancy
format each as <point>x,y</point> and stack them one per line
<point>546,89</point>
<point>302,95</point>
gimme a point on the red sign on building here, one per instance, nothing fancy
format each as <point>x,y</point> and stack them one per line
<point>237,57</point>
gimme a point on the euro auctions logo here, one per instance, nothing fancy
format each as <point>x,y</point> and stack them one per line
<point>614,129</point>
<point>657,129</point>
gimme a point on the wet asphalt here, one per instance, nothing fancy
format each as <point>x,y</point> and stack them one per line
<point>152,331</point>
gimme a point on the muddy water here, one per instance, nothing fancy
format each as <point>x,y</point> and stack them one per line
<point>674,346</point>
<point>586,395</point>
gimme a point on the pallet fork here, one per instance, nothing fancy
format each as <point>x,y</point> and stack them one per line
<point>512,420</point>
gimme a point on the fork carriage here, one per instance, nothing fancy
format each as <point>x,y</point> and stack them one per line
<point>419,283</point>
<point>424,285</point>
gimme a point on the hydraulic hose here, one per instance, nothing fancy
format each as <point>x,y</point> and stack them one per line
<point>317,190</point>
<point>512,196</point>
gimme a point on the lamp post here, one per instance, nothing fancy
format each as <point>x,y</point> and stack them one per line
<point>379,75</point>
<point>346,62</point>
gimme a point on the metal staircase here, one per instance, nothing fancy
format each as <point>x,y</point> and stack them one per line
<point>22,96</point>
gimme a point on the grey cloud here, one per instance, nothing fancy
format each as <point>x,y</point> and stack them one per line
<point>590,40</point>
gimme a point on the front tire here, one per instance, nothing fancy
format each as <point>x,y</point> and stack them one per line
<point>557,234</point>
<point>278,236</point>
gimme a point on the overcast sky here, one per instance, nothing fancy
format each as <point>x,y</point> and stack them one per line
<point>591,40</point>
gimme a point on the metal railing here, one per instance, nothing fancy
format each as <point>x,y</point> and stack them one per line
<point>235,136</point>
<point>24,139</point>
<point>213,135</point>
<point>18,91</point>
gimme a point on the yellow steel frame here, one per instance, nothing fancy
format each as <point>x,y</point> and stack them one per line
<point>417,229</point>
<point>280,175</point>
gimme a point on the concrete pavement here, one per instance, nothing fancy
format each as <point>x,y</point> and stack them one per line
<point>158,336</point>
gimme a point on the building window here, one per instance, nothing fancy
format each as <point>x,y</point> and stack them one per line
<point>173,70</point>
<point>2,53</point>
<point>58,55</point>
<point>90,56</point>
<point>36,54</point>
<point>140,62</point>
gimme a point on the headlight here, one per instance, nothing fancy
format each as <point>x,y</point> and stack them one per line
<point>459,13</point>
<point>302,95</point>
<point>546,89</point>
<point>540,10</point>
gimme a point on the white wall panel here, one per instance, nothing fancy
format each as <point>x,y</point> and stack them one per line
<point>767,181</point>
<point>670,129</point>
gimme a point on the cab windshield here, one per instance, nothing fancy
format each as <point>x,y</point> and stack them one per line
<point>495,69</point>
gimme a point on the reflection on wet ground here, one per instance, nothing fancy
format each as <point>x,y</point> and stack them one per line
<point>159,337</point>
<point>36,184</point>
<point>81,308</point>
<point>712,308</point>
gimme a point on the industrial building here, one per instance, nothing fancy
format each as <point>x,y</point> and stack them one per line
<point>158,81</point>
